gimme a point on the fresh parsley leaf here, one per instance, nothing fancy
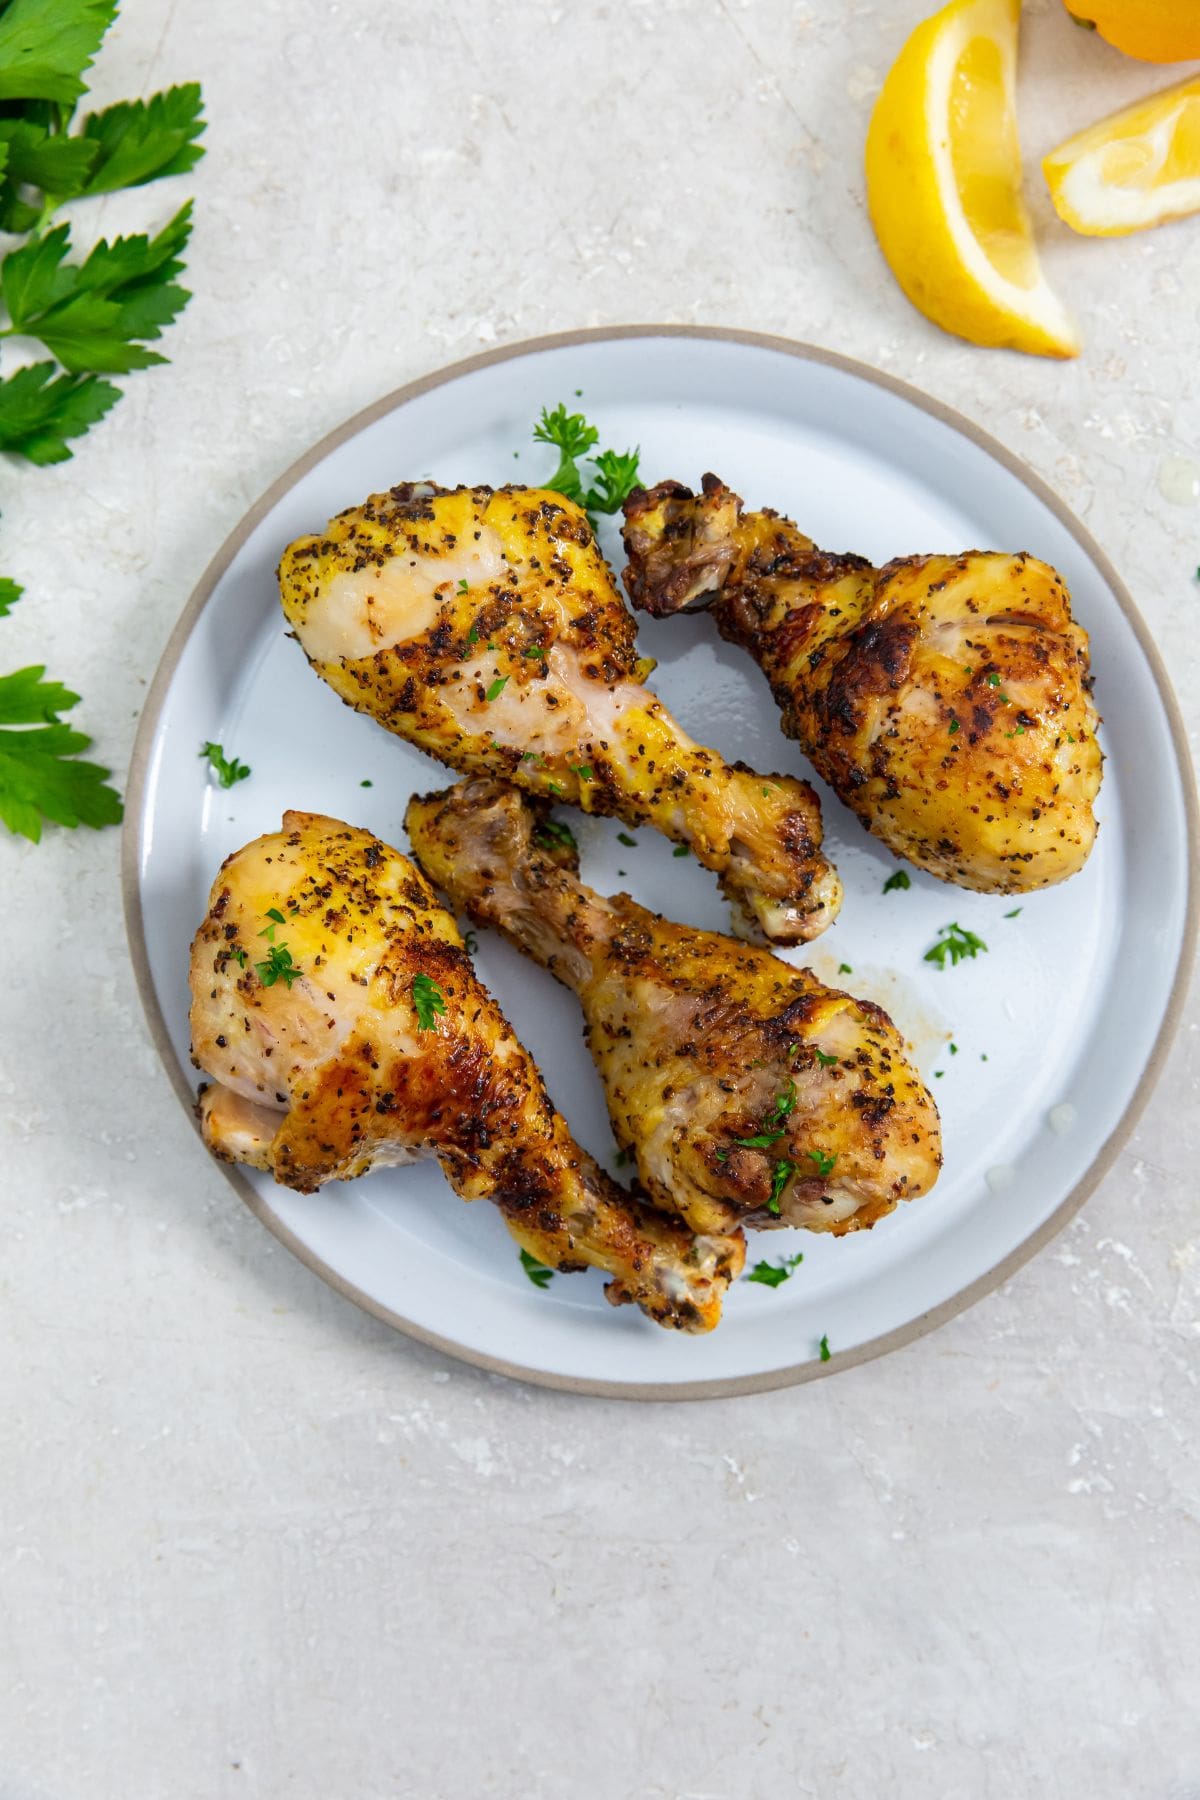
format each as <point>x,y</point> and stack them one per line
<point>845,969</point>
<point>470,942</point>
<point>955,943</point>
<point>785,1103</point>
<point>227,769</point>
<point>616,478</point>
<point>429,1001</point>
<point>573,437</point>
<point>38,415</point>
<point>45,46</point>
<point>10,593</point>
<point>538,1273</point>
<point>897,881</point>
<point>119,298</point>
<point>583,770</point>
<point>775,1274</point>
<point>40,775</point>
<point>553,834</point>
<point>681,850</point>
<point>953,726</point>
<point>826,1062</point>
<point>824,1161</point>
<point>825,1352</point>
<point>497,688</point>
<point>33,278</point>
<point>623,837</point>
<point>278,966</point>
<point>761,1141</point>
<point>143,140</point>
<point>781,1174</point>
<point>41,158</point>
<point>1013,913</point>
<point>463,585</point>
<point>273,912</point>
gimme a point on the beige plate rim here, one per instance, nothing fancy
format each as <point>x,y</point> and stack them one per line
<point>131,856</point>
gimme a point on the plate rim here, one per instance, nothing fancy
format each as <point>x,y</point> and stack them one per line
<point>133,834</point>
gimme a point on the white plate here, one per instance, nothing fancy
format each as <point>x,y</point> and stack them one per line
<point>1064,1023</point>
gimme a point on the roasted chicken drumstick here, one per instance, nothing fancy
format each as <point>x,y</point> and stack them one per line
<point>944,698</point>
<point>338,1014</point>
<point>484,626</point>
<point>746,1091</point>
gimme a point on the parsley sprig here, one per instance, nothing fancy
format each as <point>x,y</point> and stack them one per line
<point>227,769</point>
<point>775,1274</point>
<point>94,317</point>
<point>615,473</point>
<point>41,776</point>
<point>956,943</point>
<point>429,1001</point>
<point>538,1272</point>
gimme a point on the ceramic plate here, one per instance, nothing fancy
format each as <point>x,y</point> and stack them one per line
<point>1040,1053</point>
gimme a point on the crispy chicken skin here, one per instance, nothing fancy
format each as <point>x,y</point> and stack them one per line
<point>334,1072</point>
<point>746,1091</point>
<point>485,627</point>
<point>946,699</point>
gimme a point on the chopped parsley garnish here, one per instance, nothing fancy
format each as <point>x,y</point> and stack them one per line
<point>533,650</point>
<point>473,635</point>
<point>553,834</point>
<point>537,1272</point>
<point>583,770</point>
<point>470,942</point>
<point>953,726</point>
<point>366,784</point>
<point>899,880</point>
<point>497,688</point>
<point>227,769</point>
<point>824,1161</point>
<point>826,1062</point>
<point>681,850</point>
<point>277,917</point>
<point>623,837</point>
<point>775,1274</point>
<point>555,787</point>
<point>615,473</point>
<point>429,1001</point>
<point>1013,913</point>
<point>781,1174</point>
<point>953,1048</point>
<point>237,953</point>
<point>278,966</point>
<point>768,1135</point>
<point>955,943</point>
<point>464,585</point>
<point>845,969</point>
<point>824,1349</point>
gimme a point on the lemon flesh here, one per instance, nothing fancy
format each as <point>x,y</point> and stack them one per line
<point>944,184</point>
<point>1133,169</point>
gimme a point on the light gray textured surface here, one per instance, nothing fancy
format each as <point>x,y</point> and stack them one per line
<point>252,1543</point>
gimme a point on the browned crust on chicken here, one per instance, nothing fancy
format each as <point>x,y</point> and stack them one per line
<point>378,1044</point>
<point>702,1043</point>
<point>946,699</point>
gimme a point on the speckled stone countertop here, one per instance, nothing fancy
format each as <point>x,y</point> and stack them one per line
<point>253,1543</point>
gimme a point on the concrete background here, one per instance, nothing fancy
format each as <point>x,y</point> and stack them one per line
<point>253,1543</point>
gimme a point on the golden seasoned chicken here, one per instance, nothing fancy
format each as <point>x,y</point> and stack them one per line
<point>338,1014</point>
<point>946,699</point>
<point>486,628</point>
<point>746,1091</point>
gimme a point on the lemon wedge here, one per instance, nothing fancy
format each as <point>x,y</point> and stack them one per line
<point>1133,169</point>
<point>944,183</point>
